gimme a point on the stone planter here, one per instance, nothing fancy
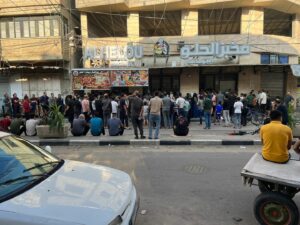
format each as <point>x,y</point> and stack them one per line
<point>43,131</point>
<point>296,130</point>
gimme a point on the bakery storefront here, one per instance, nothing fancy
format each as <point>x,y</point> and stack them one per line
<point>116,81</point>
<point>170,67</point>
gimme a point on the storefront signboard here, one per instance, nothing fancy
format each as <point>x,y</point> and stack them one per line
<point>213,53</point>
<point>129,78</point>
<point>131,54</point>
<point>106,79</point>
<point>91,79</point>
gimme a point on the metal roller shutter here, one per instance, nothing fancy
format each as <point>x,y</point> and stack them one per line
<point>273,83</point>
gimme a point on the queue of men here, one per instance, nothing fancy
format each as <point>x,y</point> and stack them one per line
<point>95,113</point>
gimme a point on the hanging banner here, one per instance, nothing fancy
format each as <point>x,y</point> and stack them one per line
<point>91,79</point>
<point>119,78</point>
<point>129,78</point>
<point>106,79</point>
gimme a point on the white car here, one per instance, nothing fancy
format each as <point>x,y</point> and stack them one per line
<point>37,188</point>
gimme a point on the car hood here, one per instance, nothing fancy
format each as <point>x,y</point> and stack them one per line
<point>78,192</point>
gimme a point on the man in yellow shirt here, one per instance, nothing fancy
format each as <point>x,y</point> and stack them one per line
<point>276,139</point>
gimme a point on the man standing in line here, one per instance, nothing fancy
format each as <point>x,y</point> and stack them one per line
<point>284,111</point>
<point>207,107</point>
<point>136,112</point>
<point>44,101</point>
<point>106,107</point>
<point>85,104</point>
<point>123,110</point>
<point>15,105</point>
<point>287,99</point>
<point>52,100</point>
<point>263,101</point>
<point>114,106</point>
<point>238,106</point>
<point>166,110</point>
<point>98,106</point>
<point>180,104</point>
<point>155,106</point>
<point>7,104</point>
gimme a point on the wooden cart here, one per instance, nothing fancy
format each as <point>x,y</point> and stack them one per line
<point>278,184</point>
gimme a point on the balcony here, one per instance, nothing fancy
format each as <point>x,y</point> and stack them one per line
<point>293,6</point>
<point>28,7</point>
<point>32,49</point>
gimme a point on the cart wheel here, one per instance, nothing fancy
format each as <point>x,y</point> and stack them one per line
<point>272,208</point>
<point>266,186</point>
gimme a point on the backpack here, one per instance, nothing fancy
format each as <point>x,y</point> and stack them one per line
<point>181,126</point>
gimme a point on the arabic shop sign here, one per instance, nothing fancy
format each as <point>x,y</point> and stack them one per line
<point>113,55</point>
<point>213,53</point>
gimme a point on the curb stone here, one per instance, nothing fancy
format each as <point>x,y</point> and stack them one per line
<point>146,142</point>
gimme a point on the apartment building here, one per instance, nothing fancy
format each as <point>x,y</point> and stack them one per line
<point>191,45</point>
<point>35,46</point>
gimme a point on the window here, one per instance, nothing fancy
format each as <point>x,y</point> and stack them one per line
<point>265,59</point>
<point>47,28</point>
<point>55,27</point>
<point>160,23</point>
<point>219,21</point>
<point>277,23</point>
<point>41,29</point>
<point>274,59</point>
<point>3,30</point>
<point>25,27</point>
<point>283,59</point>
<point>11,29</point>
<point>104,25</point>
<point>32,28</point>
<point>18,29</point>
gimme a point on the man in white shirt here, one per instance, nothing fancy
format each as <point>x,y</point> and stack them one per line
<point>180,103</point>
<point>238,105</point>
<point>263,101</point>
<point>114,107</point>
<point>31,126</point>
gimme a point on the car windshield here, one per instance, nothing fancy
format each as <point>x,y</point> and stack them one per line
<point>21,164</point>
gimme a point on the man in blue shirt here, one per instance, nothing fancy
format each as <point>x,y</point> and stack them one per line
<point>115,126</point>
<point>96,125</point>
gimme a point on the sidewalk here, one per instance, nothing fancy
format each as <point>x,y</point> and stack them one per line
<point>217,135</point>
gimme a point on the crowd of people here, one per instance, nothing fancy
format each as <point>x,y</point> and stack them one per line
<point>95,113</point>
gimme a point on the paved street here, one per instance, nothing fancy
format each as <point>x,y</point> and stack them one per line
<point>181,185</point>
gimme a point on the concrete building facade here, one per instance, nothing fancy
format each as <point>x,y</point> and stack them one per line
<point>198,44</point>
<point>35,46</point>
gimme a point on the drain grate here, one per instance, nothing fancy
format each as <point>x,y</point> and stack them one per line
<point>194,169</point>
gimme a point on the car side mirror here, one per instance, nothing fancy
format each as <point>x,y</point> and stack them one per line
<point>48,149</point>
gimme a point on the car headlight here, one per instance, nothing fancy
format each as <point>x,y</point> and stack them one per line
<point>117,221</point>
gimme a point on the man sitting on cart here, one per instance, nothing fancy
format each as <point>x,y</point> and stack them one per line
<point>276,139</point>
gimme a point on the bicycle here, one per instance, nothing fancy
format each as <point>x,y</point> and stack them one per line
<point>255,117</point>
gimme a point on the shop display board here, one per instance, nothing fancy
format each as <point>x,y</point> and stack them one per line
<point>106,79</point>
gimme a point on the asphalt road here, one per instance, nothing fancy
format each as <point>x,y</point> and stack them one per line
<point>182,185</point>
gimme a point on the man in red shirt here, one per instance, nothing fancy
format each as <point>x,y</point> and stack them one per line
<point>26,107</point>
<point>5,123</point>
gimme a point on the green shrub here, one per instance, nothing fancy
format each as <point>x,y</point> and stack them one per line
<point>55,118</point>
<point>291,116</point>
